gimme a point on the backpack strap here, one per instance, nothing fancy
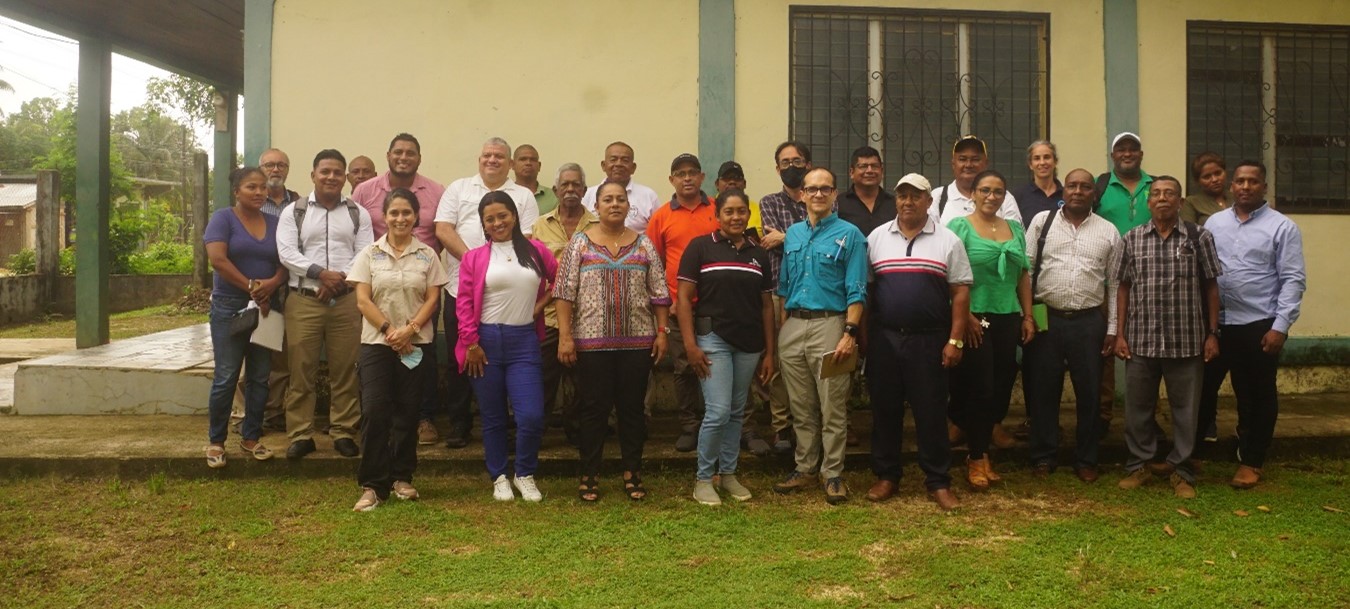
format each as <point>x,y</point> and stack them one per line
<point>1040,250</point>
<point>1103,181</point>
<point>302,205</point>
<point>298,211</point>
<point>942,202</point>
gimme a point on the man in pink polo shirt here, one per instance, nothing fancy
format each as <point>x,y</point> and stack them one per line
<point>404,157</point>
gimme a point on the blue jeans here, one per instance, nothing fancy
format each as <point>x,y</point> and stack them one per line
<point>231,353</point>
<point>724,393</point>
<point>514,372</point>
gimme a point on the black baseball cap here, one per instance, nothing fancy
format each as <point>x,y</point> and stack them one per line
<point>685,159</point>
<point>731,168</point>
<point>971,142</point>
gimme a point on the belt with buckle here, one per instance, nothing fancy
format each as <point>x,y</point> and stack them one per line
<point>1071,314</point>
<point>808,314</point>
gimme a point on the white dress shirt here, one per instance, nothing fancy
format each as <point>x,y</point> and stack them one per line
<point>960,206</point>
<point>459,208</point>
<point>1077,272</point>
<point>642,203</point>
<point>328,238</point>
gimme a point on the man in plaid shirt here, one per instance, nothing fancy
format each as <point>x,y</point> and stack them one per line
<point>1168,307</point>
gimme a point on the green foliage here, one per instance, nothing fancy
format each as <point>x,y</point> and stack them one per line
<point>23,263</point>
<point>61,156</point>
<point>163,258</point>
<point>67,263</point>
<point>191,97</point>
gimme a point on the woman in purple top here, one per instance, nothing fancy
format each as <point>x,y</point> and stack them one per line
<point>241,243</point>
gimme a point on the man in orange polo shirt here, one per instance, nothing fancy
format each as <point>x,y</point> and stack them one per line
<point>689,214</point>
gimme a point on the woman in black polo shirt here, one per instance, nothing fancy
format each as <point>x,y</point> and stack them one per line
<point>726,317</point>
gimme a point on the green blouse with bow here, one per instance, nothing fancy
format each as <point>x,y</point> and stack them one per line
<point>997,266</point>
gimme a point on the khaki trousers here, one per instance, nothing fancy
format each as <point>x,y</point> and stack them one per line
<point>312,325</point>
<point>819,407</point>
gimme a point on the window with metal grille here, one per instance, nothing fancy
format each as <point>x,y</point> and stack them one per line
<point>1277,94</point>
<point>911,82</point>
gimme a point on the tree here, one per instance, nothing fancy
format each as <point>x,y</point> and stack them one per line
<point>152,144</point>
<point>191,97</point>
<point>27,135</point>
<point>61,158</point>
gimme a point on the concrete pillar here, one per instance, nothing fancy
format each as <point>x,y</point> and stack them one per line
<point>716,85</point>
<point>227,114</point>
<point>201,214</point>
<point>257,78</point>
<point>48,223</point>
<point>92,192</point>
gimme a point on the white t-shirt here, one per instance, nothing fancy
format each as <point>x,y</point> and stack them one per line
<point>459,206</point>
<point>642,202</point>
<point>960,206</point>
<point>509,289</point>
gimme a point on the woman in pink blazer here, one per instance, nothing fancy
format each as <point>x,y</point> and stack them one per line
<point>503,287</point>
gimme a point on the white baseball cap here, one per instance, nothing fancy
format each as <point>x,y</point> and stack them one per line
<point>915,180</point>
<point>1125,135</point>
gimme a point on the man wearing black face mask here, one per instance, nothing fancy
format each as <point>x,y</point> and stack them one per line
<point>778,211</point>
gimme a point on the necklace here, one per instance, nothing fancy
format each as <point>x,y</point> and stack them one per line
<point>508,250</point>
<point>616,238</point>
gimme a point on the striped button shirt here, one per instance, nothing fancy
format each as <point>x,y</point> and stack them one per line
<point>1166,307</point>
<point>1077,271</point>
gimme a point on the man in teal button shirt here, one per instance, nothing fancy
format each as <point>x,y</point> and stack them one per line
<point>823,283</point>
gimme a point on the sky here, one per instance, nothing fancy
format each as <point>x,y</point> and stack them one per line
<point>38,63</point>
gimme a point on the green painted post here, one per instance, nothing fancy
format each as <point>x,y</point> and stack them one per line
<point>257,78</point>
<point>227,127</point>
<point>1120,28</point>
<point>716,85</point>
<point>92,187</point>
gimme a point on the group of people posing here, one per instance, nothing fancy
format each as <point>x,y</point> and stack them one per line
<point>935,290</point>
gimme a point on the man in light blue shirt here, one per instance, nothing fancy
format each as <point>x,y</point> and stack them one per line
<point>1261,290</point>
<point>823,283</point>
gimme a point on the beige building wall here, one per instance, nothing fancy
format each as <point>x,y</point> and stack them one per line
<point>567,77</point>
<point>1162,124</point>
<point>1077,94</point>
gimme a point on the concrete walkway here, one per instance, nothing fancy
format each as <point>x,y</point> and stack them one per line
<point>139,445</point>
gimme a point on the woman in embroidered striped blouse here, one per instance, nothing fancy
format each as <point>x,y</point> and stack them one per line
<point>613,306</point>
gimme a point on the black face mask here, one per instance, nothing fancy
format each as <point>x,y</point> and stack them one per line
<point>793,176</point>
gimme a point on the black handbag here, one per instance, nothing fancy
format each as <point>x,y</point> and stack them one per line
<point>244,322</point>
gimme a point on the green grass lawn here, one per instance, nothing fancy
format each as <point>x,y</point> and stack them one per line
<point>1032,543</point>
<point>120,325</point>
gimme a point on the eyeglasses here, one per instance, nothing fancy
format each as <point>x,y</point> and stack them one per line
<point>867,166</point>
<point>812,191</point>
<point>796,162</point>
<point>986,191</point>
<point>276,165</point>
<point>688,174</point>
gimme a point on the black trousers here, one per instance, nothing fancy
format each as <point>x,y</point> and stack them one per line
<point>458,391</point>
<point>554,374</point>
<point>1253,377</point>
<point>612,381</point>
<point>908,368</point>
<point>1073,345</point>
<point>390,397</point>
<point>1208,410</point>
<point>982,385</point>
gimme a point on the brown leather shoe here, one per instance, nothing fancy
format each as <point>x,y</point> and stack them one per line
<point>1042,469</point>
<point>1181,488</point>
<point>1245,478</point>
<point>1086,474</point>
<point>945,499</point>
<point>881,491</point>
<point>1001,438</point>
<point>955,436</point>
<point>976,473</point>
<point>1135,479</point>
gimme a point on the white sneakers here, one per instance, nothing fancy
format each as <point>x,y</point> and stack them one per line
<point>501,489</point>
<point>528,491</point>
<point>368,501</point>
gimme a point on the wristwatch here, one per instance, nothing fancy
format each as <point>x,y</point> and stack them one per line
<point>956,342</point>
<point>851,330</point>
<point>664,329</point>
<point>1216,333</point>
<point>384,327</point>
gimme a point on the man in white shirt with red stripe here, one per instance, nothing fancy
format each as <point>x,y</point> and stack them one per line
<point>916,322</point>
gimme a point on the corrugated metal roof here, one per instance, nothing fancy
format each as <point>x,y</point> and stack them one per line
<point>17,195</point>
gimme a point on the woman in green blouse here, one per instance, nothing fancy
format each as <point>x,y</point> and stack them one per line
<point>1211,174</point>
<point>1000,305</point>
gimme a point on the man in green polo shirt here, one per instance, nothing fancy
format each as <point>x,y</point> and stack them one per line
<point>1124,200</point>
